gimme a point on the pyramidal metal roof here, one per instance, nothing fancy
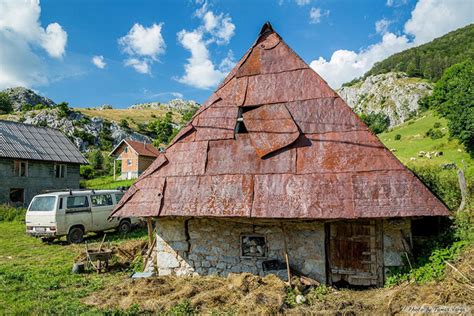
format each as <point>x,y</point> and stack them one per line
<point>275,141</point>
<point>24,141</point>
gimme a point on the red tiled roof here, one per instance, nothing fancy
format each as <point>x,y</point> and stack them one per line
<point>142,149</point>
<point>305,153</point>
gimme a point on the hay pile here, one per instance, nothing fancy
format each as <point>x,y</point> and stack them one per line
<point>241,293</point>
<point>250,294</point>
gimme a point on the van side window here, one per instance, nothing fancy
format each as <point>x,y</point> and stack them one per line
<point>118,197</point>
<point>77,201</point>
<point>101,200</point>
<point>60,203</point>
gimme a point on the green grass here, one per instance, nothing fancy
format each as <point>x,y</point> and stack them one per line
<point>134,116</point>
<point>413,140</point>
<point>105,183</point>
<point>36,278</point>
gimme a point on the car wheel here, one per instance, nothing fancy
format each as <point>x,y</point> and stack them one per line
<point>125,226</point>
<point>75,236</point>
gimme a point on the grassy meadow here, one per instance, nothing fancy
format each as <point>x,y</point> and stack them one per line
<point>107,182</point>
<point>413,140</point>
<point>133,116</point>
<point>36,278</point>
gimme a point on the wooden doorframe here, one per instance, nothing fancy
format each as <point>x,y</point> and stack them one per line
<point>379,258</point>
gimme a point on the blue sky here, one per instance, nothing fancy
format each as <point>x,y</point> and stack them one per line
<point>158,50</point>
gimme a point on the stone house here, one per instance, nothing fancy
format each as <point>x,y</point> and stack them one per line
<point>273,170</point>
<point>134,156</point>
<point>34,160</point>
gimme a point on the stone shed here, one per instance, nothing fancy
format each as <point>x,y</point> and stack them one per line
<point>274,170</point>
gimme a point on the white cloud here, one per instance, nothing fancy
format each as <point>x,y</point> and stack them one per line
<point>315,15</point>
<point>143,45</point>
<point>429,19</point>
<point>381,26</point>
<point>99,62</point>
<point>302,2</point>
<point>200,71</point>
<point>346,65</point>
<point>20,33</point>
<point>140,65</point>
<point>433,18</point>
<point>396,3</point>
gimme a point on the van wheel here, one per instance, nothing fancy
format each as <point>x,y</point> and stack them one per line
<point>75,236</point>
<point>124,227</point>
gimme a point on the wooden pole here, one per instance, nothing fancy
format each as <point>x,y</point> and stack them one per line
<point>114,168</point>
<point>286,255</point>
<point>463,188</point>
<point>149,224</point>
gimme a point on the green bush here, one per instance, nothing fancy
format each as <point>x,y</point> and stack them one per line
<point>87,172</point>
<point>443,183</point>
<point>434,133</point>
<point>317,294</point>
<point>182,308</point>
<point>437,125</point>
<point>398,137</point>
<point>377,122</point>
<point>9,213</point>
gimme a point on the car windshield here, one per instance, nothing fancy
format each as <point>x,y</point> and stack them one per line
<point>43,203</point>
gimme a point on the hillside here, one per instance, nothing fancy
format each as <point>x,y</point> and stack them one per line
<point>431,59</point>
<point>393,94</point>
<point>414,141</point>
<point>102,127</point>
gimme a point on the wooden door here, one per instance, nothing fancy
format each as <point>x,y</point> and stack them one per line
<point>355,256</point>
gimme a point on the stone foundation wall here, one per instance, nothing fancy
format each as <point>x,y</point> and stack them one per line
<point>212,246</point>
<point>198,246</point>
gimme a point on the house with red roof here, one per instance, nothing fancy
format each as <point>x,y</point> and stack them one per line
<point>135,157</point>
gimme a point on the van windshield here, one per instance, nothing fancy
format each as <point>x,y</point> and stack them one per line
<point>43,203</point>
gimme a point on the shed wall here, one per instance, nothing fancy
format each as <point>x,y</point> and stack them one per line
<point>40,177</point>
<point>203,246</point>
<point>212,246</point>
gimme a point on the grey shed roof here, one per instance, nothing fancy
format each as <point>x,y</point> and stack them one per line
<point>29,142</point>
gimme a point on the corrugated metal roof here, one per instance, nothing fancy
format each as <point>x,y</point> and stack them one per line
<point>305,153</point>
<point>23,141</point>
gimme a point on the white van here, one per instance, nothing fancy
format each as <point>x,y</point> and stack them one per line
<point>74,214</point>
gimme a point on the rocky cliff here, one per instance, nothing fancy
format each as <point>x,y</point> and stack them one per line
<point>394,94</point>
<point>20,96</point>
<point>175,104</point>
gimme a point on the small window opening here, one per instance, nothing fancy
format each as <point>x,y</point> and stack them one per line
<point>240,125</point>
<point>253,246</point>
<point>60,171</point>
<point>20,168</point>
<point>17,195</point>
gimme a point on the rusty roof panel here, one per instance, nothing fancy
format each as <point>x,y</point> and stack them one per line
<point>156,164</point>
<point>324,115</point>
<point>268,41</point>
<point>393,194</point>
<point>234,91</point>
<point>302,84</point>
<point>185,159</point>
<point>216,123</point>
<point>146,201</point>
<point>239,157</point>
<point>342,152</point>
<point>280,58</point>
<point>300,196</point>
<point>270,127</point>
<point>226,195</point>
<point>251,66</point>
<point>234,70</point>
<point>183,133</point>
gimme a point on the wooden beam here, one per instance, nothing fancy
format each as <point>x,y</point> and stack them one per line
<point>286,255</point>
<point>149,225</point>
